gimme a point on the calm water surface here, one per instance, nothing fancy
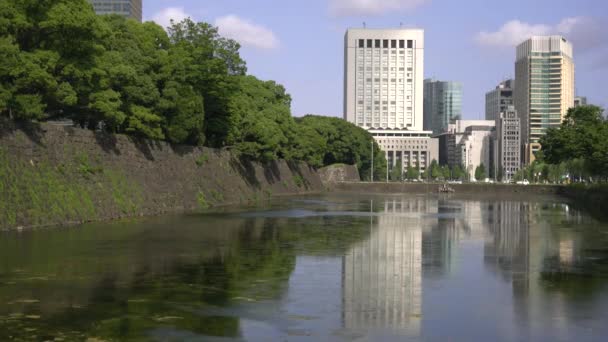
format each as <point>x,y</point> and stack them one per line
<point>333,268</point>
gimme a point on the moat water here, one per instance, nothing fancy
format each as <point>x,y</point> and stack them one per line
<point>327,268</point>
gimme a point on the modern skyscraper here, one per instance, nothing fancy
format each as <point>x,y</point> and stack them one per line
<point>442,104</point>
<point>544,87</point>
<point>383,78</point>
<point>128,8</point>
<point>499,99</point>
<point>507,145</point>
<point>383,89</point>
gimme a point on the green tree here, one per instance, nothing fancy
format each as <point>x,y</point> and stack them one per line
<point>434,170</point>
<point>458,173</point>
<point>412,173</point>
<point>339,142</point>
<point>397,171</point>
<point>480,172</point>
<point>581,141</point>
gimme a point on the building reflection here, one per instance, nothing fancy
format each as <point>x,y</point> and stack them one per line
<point>532,246</point>
<point>382,276</point>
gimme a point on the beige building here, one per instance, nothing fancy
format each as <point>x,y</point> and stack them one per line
<point>413,149</point>
<point>544,87</point>
<point>467,144</point>
<point>383,92</point>
<point>507,145</point>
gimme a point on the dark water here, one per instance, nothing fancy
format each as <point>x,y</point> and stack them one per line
<point>343,268</point>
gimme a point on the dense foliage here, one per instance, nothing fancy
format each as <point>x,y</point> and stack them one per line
<point>185,85</point>
<point>324,140</point>
<point>576,151</point>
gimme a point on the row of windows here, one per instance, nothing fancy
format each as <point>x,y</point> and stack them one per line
<point>393,80</point>
<point>384,43</point>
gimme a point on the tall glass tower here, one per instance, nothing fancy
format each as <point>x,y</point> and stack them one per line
<point>544,87</point>
<point>128,8</point>
<point>442,104</point>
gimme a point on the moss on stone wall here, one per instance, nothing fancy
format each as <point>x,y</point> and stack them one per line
<point>40,194</point>
<point>52,175</point>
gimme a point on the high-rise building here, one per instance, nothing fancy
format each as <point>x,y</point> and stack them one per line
<point>128,8</point>
<point>580,101</point>
<point>499,99</point>
<point>442,104</point>
<point>383,89</point>
<point>544,87</point>
<point>507,145</point>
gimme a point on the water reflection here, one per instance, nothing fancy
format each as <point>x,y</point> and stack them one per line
<point>332,268</point>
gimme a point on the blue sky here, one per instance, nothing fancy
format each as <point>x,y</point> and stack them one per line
<point>300,43</point>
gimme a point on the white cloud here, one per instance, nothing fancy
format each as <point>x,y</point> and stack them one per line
<point>246,32</point>
<point>512,33</point>
<point>585,33</point>
<point>164,17</point>
<point>371,7</point>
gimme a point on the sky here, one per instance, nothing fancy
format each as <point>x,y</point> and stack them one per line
<point>300,44</point>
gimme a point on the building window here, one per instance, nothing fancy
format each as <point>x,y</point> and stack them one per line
<point>402,44</point>
<point>393,44</point>
<point>385,43</point>
<point>361,43</point>
<point>369,43</point>
<point>410,44</point>
<point>377,43</point>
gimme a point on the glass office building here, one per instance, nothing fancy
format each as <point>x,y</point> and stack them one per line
<point>128,8</point>
<point>544,87</point>
<point>442,104</point>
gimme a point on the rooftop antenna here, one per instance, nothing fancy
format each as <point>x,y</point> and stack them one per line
<point>364,26</point>
<point>400,25</point>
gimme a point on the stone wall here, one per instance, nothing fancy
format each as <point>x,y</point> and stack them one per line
<point>339,173</point>
<point>55,175</point>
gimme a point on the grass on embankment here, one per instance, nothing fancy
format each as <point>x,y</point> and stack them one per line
<point>42,194</point>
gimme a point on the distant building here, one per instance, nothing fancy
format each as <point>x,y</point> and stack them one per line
<point>507,145</point>
<point>467,143</point>
<point>442,104</point>
<point>410,149</point>
<point>544,87</point>
<point>383,89</point>
<point>128,8</point>
<point>499,99</point>
<point>580,101</point>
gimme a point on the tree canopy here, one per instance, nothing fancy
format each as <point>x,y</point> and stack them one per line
<point>325,140</point>
<point>582,137</point>
<point>186,85</point>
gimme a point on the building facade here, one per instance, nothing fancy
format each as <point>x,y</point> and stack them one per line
<point>580,101</point>
<point>442,104</point>
<point>507,144</point>
<point>383,92</point>
<point>499,99</point>
<point>128,8</point>
<point>544,87</point>
<point>408,149</point>
<point>468,144</point>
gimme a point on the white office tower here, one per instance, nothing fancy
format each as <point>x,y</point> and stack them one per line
<point>383,90</point>
<point>544,87</point>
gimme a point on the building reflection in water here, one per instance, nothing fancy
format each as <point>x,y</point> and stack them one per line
<point>382,276</point>
<point>415,240</point>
